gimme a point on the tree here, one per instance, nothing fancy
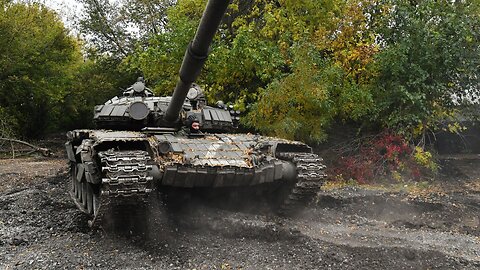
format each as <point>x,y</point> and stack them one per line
<point>160,59</point>
<point>297,67</point>
<point>118,27</point>
<point>105,29</point>
<point>37,60</point>
<point>97,80</point>
<point>326,46</point>
<point>148,16</point>
<point>429,56</point>
<point>387,64</point>
<point>268,50</point>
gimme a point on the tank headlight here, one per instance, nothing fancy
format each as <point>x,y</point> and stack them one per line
<point>164,147</point>
<point>138,110</point>
<point>192,93</point>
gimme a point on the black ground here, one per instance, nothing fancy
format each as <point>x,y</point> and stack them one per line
<point>348,228</point>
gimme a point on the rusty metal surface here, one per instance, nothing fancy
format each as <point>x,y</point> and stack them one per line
<point>106,135</point>
<point>220,150</point>
<point>109,135</point>
<point>212,150</point>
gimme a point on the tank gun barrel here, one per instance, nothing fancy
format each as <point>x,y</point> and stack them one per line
<point>196,55</point>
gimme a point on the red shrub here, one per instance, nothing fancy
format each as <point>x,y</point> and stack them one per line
<point>375,158</point>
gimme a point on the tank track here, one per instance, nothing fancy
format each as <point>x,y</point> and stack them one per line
<point>125,181</point>
<point>310,177</point>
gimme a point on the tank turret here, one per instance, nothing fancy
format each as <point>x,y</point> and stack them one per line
<point>138,108</point>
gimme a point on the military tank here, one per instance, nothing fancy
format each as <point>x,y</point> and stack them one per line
<point>146,144</point>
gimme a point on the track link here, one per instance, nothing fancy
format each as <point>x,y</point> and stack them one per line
<point>125,182</point>
<point>310,178</point>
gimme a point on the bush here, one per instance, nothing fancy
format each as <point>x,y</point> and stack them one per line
<point>385,157</point>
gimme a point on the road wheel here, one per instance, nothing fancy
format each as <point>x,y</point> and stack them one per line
<point>84,199</point>
<point>89,198</point>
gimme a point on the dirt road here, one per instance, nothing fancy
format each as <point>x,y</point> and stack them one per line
<point>348,228</point>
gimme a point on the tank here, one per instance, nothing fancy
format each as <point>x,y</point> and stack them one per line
<point>146,144</point>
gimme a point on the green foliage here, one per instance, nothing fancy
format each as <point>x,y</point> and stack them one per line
<point>115,28</point>
<point>37,62</point>
<point>260,47</point>
<point>397,64</point>
<point>236,71</point>
<point>282,48</point>
<point>430,52</point>
<point>325,52</point>
<point>425,159</point>
<point>295,67</point>
<point>98,79</point>
<point>161,59</point>
<point>148,16</point>
<point>105,29</point>
<point>297,106</point>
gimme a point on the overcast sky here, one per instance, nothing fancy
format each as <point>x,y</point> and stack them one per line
<point>61,5</point>
<point>67,9</point>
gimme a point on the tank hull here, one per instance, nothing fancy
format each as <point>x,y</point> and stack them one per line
<point>125,167</point>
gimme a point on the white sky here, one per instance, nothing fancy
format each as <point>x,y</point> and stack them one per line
<point>63,5</point>
<point>68,10</point>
